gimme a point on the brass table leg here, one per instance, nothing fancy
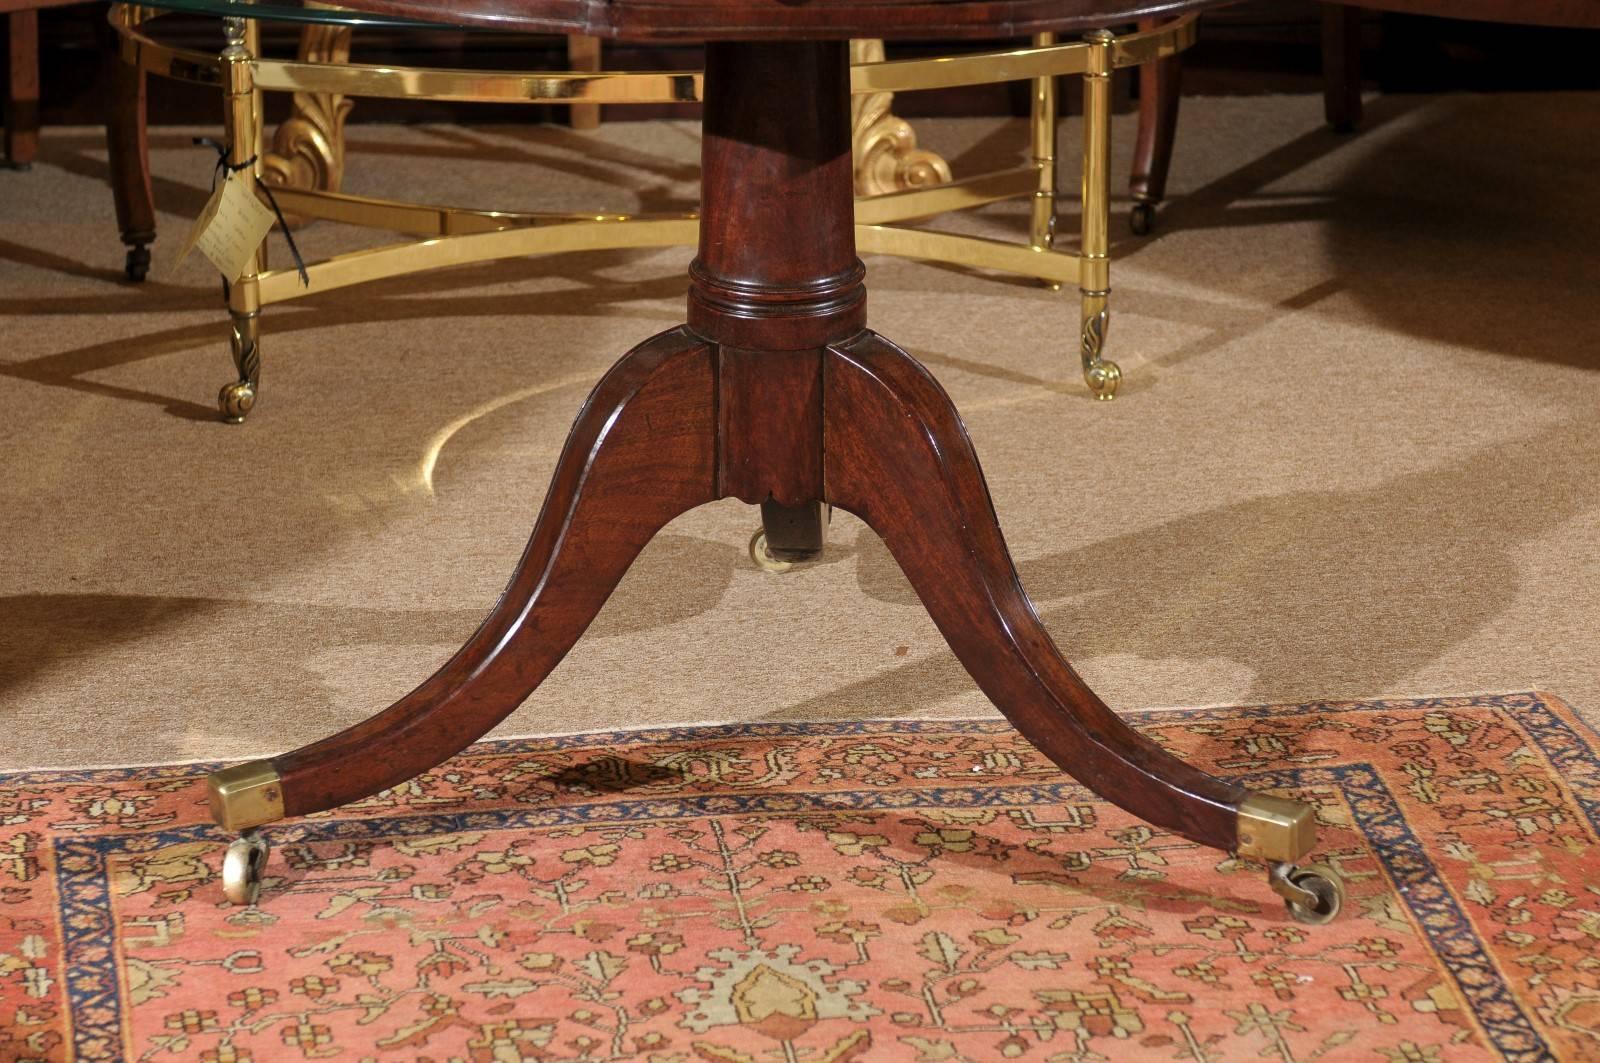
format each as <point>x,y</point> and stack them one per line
<point>242,122</point>
<point>1094,283</point>
<point>1043,118</point>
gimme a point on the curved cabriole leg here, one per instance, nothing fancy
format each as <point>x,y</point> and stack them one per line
<point>897,455</point>
<point>642,451</point>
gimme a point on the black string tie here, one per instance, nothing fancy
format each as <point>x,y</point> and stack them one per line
<point>225,167</point>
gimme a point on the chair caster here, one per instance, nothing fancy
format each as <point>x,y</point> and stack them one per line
<point>1143,219</point>
<point>236,400</point>
<point>1313,894</point>
<point>242,868</point>
<point>137,264</point>
<point>764,560</point>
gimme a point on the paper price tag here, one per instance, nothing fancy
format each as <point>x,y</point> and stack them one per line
<point>230,229</point>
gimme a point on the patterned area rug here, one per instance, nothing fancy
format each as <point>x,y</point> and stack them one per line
<point>827,892</point>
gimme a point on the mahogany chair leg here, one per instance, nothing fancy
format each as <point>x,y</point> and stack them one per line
<point>1160,86</point>
<point>128,145</point>
<point>1341,66</point>
<point>897,456</point>
<point>642,451</point>
<point>22,91</point>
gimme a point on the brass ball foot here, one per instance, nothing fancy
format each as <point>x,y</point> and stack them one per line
<point>236,400</point>
<point>1103,377</point>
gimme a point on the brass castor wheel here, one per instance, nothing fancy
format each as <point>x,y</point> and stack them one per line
<point>137,264</point>
<point>1143,219</point>
<point>242,868</point>
<point>235,400</point>
<point>1313,894</point>
<point>764,560</point>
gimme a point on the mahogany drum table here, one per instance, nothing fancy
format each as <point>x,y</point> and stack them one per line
<point>775,392</point>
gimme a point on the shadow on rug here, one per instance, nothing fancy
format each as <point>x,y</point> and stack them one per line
<point>829,892</point>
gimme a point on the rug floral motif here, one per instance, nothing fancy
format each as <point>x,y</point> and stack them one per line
<point>816,893</point>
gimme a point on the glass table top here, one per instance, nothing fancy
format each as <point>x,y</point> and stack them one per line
<point>291,11</point>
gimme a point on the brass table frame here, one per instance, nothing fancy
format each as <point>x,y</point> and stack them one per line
<point>452,236</point>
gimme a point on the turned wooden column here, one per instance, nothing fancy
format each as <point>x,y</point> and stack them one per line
<point>777,278</point>
<point>777,267</point>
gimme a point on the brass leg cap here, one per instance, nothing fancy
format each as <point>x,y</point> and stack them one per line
<point>246,795</point>
<point>1275,829</point>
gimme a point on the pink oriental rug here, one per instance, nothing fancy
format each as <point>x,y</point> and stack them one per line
<point>815,893</point>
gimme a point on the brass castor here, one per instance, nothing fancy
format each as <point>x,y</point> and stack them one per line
<point>1313,894</point>
<point>235,400</point>
<point>1143,219</point>
<point>764,560</point>
<point>137,263</point>
<point>242,868</point>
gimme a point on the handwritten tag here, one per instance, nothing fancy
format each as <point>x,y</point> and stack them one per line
<point>230,229</point>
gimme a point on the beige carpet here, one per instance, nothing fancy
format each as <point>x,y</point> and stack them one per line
<point>1355,455</point>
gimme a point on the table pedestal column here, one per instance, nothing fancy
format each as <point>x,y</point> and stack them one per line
<point>775,393</point>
